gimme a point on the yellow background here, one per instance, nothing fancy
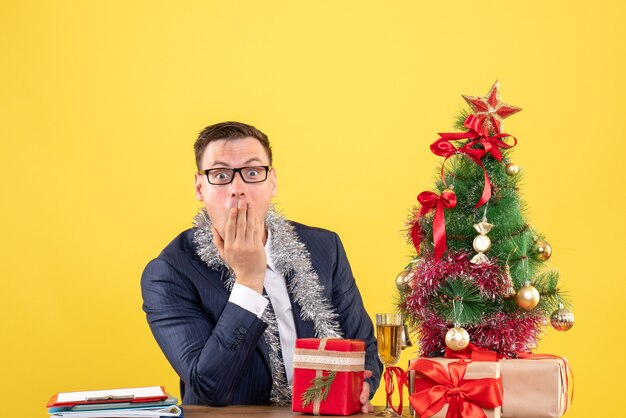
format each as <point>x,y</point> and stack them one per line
<point>100,103</point>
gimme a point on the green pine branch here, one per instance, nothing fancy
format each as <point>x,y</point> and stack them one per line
<point>319,389</point>
<point>458,123</point>
<point>458,300</point>
<point>547,284</point>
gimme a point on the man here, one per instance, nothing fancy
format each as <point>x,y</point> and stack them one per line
<point>226,299</point>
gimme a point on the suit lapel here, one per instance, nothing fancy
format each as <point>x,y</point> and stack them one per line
<point>304,329</point>
<point>220,272</point>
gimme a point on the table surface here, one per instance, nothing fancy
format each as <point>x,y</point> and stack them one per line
<point>258,411</point>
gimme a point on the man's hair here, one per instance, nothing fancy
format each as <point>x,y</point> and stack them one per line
<point>229,131</point>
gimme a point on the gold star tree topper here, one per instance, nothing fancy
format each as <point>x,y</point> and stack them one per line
<point>490,110</point>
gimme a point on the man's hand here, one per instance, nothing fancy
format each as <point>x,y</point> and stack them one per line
<point>366,405</point>
<point>242,246</point>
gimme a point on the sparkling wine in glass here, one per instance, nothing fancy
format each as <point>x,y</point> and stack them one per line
<point>389,340</point>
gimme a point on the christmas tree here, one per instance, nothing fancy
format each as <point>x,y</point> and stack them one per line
<point>479,273</point>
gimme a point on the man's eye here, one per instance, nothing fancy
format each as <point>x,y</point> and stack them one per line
<point>252,173</point>
<point>221,175</point>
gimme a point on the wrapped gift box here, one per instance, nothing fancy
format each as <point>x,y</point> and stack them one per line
<point>319,359</point>
<point>534,388</point>
<point>474,370</point>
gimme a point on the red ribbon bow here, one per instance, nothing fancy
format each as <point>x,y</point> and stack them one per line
<point>429,201</point>
<point>401,378</point>
<point>476,353</point>
<point>465,398</point>
<point>490,145</point>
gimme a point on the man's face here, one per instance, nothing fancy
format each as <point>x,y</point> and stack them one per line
<point>219,199</point>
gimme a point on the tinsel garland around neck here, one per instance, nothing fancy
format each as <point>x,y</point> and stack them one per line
<point>290,256</point>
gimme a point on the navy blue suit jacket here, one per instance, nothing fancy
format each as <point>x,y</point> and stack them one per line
<point>216,347</point>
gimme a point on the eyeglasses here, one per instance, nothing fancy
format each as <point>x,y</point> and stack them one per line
<point>221,176</point>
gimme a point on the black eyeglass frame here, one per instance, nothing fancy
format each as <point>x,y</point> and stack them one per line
<point>235,171</point>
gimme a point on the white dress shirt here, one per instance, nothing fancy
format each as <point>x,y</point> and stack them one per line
<point>276,288</point>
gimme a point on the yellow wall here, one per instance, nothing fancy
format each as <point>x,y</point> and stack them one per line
<point>100,103</point>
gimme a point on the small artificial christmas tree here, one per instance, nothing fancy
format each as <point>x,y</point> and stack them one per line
<point>479,272</point>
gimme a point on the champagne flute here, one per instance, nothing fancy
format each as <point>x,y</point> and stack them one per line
<point>389,336</point>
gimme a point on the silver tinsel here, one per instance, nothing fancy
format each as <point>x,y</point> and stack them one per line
<point>281,391</point>
<point>290,256</point>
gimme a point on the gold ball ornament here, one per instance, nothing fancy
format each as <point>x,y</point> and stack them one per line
<point>511,169</point>
<point>562,319</point>
<point>402,280</point>
<point>457,338</point>
<point>481,243</point>
<point>542,250</point>
<point>527,297</point>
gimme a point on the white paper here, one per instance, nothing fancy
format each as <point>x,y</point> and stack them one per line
<point>144,392</point>
<point>170,411</point>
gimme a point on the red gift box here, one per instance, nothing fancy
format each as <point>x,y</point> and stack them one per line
<point>328,376</point>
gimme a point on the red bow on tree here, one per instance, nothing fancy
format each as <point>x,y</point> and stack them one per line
<point>465,398</point>
<point>429,201</point>
<point>490,145</point>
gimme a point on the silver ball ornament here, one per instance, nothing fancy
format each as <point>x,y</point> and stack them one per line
<point>562,319</point>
